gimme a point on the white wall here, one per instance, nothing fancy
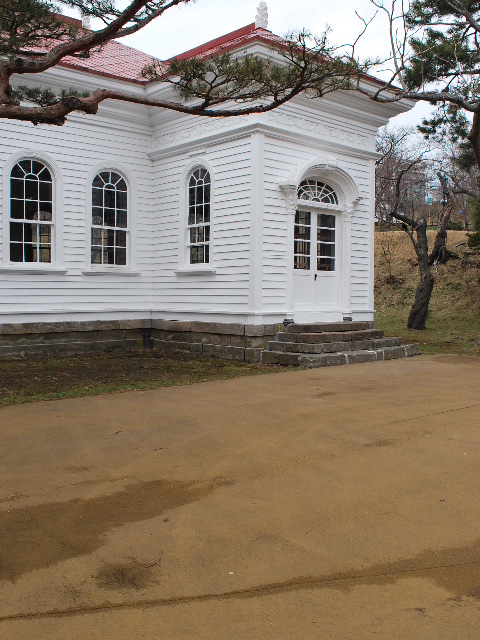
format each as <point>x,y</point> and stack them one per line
<point>76,149</point>
<point>284,154</point>
<point>226,290</point>
<point>247,157</point>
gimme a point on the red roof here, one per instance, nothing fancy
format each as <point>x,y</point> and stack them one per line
<point>114,60</point>
<point>232,40</point>
<point>119,61</point>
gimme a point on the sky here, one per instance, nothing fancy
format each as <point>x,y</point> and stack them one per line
<point>187,26</point>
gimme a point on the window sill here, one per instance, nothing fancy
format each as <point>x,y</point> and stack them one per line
<point>110,272</point>
<point>192,271</point>
<point>37,271</point>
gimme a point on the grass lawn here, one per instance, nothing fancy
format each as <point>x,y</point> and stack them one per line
<point>440,336</point>
<point>95,373</point>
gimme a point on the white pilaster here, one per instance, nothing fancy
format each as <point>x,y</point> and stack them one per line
<point>346,284</point>
<point>256,223</point>
<point>290,192</point>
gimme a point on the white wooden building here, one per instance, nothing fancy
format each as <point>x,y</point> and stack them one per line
<point>143,214</point>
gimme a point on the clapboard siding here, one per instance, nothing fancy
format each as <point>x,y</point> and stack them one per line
<point>228,288</point>
<point>76,149</point>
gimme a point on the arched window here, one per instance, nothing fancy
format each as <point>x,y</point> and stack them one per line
<point>109,219</point>
<point>199,216</point>
<point>316,191</point>
<point>31,212</point>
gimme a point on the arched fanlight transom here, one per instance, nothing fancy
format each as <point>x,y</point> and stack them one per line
<point>316,191</point>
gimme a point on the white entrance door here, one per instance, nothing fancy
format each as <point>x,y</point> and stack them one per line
<point>316,266</point>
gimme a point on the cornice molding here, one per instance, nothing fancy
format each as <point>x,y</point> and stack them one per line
<point>321,129</point>
<point>356,106</point>
<point>207,134</point>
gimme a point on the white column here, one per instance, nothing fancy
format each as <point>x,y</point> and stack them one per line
<point>290,192</point>
<point>256,224</point>
<point>347,261</point>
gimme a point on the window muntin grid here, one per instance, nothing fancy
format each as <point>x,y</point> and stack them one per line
<point>31,212</point>
<point>325,242</point>
<point>324,245</point>
<point>109,219</point>
<point>199,193</point>
<point>302,237</point>
<point>317,191</point>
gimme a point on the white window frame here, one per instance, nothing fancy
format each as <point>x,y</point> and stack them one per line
<point>198,226</point>
<point>56,263</point>
<point>185,268</point>
<point>130,268</point>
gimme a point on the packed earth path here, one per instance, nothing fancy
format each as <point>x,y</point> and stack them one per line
<point>337,503</point>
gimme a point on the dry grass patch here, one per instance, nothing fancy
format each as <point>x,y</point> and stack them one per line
<point>453,325</point>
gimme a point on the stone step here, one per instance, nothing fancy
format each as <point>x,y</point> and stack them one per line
<point>333,336</point>
<point>320,327</point>
<point>332,347</point>
<point>313,360</point>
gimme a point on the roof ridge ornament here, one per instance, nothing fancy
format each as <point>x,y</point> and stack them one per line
<point>261,19</point>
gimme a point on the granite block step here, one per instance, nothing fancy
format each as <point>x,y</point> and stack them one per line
<point>314,360</point>
<point>333,343</point>
<point>332,336</point>
<point>320,327</point>
<point>332,347</point>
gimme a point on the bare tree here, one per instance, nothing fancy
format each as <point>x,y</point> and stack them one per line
<point>402,174</point>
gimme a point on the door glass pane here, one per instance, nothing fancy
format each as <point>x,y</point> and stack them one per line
<point>325,250</point>
<point>326,235</point>
<point>302,236</point>
<point>301,262</point>
<point>325,264</point>
<point>326,221</point>
<point>325,242</point>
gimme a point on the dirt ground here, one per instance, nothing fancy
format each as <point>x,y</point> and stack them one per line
<point>336,503</point>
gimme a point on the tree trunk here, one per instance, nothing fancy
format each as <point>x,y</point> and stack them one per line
<point>440,254</point>
<point>474,137</point>
<point>419,311</point>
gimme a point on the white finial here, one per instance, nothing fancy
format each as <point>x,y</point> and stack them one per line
<point>261,19</point>
<point>86,22</point>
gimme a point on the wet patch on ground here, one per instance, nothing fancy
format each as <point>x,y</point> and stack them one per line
<point>457,570</point>
<point>36,537</point>
<point>125,575</point>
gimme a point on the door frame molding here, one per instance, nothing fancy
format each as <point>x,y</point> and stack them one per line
<point>349,197</point>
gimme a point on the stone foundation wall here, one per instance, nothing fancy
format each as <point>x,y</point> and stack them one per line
<point>228,341</point>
